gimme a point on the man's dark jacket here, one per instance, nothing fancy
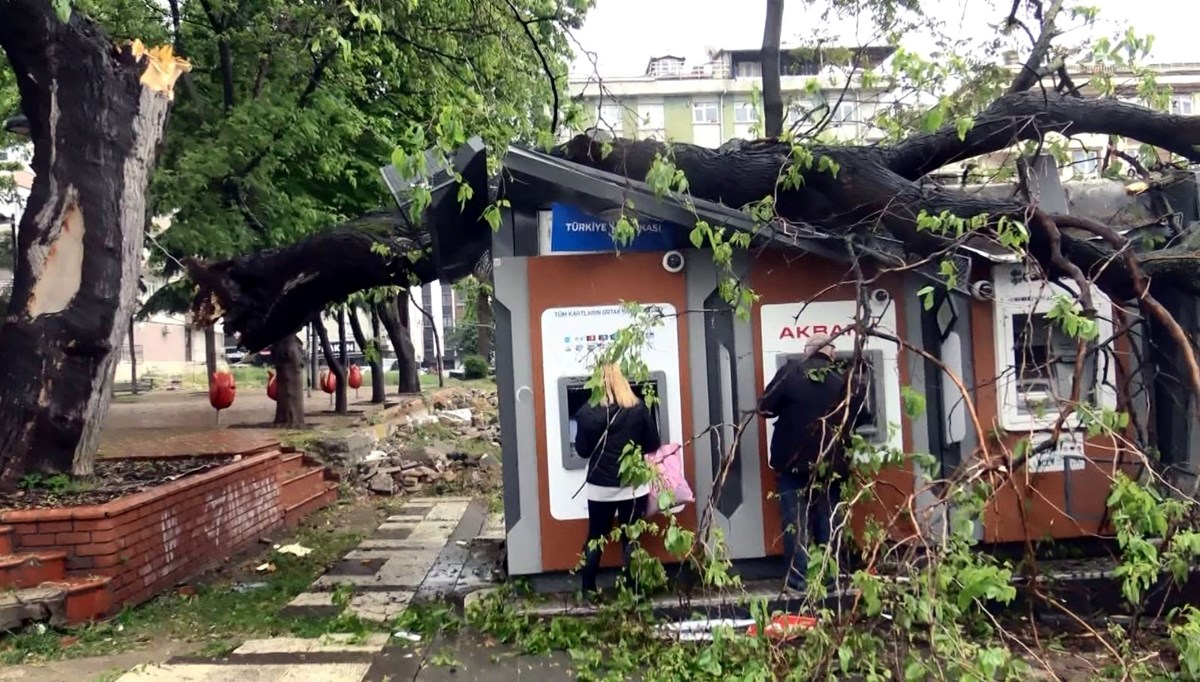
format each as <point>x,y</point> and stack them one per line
<point>603,432</point>
<point>809,398</point>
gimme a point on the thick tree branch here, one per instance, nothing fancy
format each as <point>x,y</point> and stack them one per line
<point>264,295</point>
<point>1030,116</point>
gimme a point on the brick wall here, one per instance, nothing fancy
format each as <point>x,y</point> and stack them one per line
<point>150,541</point>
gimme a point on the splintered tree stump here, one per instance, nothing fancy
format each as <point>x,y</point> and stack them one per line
<point>95,123</point>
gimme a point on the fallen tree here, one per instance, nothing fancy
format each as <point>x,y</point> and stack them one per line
<point>874,189</point>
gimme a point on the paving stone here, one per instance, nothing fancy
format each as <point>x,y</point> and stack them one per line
<point>406,545</point>
<point>412,519</point>
<point>380,606</point>
<point>330,672</point>
<point>447,511</point>
<point>332,642</point>
<point>311,605</point>
<point>435,500</point>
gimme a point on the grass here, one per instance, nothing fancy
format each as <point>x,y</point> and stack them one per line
<point>217,617</point>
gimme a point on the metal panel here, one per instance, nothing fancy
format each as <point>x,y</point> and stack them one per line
<point>514,379</point>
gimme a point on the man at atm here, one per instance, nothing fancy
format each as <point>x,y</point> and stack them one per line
<point>816,411</point>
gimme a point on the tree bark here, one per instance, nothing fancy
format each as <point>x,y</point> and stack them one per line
<point>374,359</point>
<point>95,130</point>
<point>394,316</point>
<point>132,358</point>
<point>260,295</point>
<point>378,378</point>
<point>288,356</point>
<point>343,386</point>
<point>312,357</point>
<point>771,91</point>
<point>210,350</point>
<point>483,323</point>
<point>338,369</point>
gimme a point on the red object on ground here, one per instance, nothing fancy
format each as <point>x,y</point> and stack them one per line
<point>222,391</point>
<point>785,626</point>
<point>354,378</point>
<point>328,381</point>
<point>272,388</point>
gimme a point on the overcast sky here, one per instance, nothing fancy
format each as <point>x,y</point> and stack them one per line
<point>625,33</point>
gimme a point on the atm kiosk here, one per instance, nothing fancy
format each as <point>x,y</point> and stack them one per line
<point>572,338</point>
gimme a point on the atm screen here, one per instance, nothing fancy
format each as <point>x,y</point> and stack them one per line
<point>573,395</point>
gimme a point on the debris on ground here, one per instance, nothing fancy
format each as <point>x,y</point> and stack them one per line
<point>294,549</point>
<point>457,445</point>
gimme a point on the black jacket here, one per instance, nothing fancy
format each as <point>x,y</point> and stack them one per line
<point>602,434</point>
<point>808,398</point>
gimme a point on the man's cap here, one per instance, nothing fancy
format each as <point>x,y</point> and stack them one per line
<point>819,343</point>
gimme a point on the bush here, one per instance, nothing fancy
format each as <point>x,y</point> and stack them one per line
<point>475,367</point>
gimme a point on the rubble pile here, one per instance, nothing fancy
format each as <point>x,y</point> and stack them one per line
<point>457,444</point>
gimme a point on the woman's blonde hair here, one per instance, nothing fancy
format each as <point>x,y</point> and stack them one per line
<point>616,388</point>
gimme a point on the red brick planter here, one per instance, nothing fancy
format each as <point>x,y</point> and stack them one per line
<point>148,542</point>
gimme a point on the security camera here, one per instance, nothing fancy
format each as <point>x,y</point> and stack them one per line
<point>982,290</point>
<point>672,261</point>
<point>881,296</point>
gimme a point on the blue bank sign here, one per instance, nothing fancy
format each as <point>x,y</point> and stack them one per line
<point>574,231</point>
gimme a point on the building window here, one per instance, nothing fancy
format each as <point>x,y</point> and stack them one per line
<point>651,121</point>
<point>666,66</point>
<point>845,111</point>
<point>705,112</point>
<point>1085,162</point>
<point>748,70</point>
<point>745,112</point>
<point>1181,105</point>
<point>610,116</point>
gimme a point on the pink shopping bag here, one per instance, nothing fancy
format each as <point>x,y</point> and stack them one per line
<point>670,482</point>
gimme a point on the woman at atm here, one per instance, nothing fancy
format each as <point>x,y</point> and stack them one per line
<point>603,432</point>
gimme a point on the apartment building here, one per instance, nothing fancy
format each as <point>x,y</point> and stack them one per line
<point>718,99</point>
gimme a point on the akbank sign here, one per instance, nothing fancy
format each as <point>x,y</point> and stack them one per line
<point>574,231</point>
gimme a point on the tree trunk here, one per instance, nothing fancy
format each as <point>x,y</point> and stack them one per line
<point>95,130</point>
<point>338,369</point>
<point>132,358</point>
<point>378,379</point>
<point>288,356</point>
<point>483,324</point>
<point>437,341</point>
<point>312,358</point>
<point>210,351</point>
<point>394,315</point>
<point>374,359</point>
<point>342,387</point>
<point>771,91</point>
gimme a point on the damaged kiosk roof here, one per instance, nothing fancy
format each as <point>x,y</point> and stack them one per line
<point>534,178</point>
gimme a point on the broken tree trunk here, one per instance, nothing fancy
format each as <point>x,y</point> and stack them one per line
<point>288,356</point>
<point>95,124</point>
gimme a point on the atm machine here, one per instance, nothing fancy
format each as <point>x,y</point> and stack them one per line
<point>578,334</point>
<point>787,327</point>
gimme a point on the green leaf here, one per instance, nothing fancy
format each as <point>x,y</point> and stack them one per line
<point>697,236</point>
<point>926,293</point>
<point>62,9</point>
<point>933,119</point>
<point>964,125</point>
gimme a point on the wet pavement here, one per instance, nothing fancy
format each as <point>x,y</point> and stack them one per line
<point>435,548</point>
